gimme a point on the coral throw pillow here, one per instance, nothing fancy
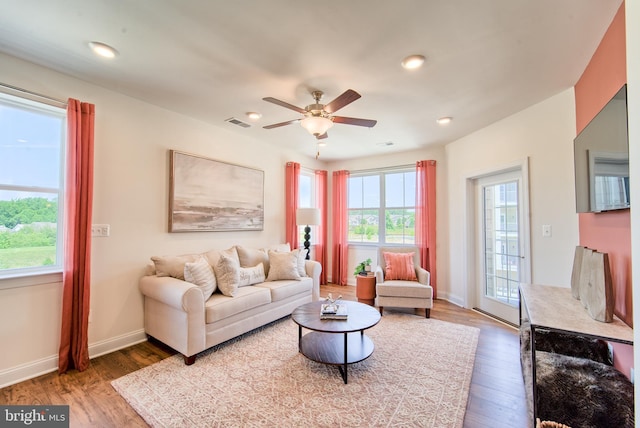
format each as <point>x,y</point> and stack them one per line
<point>399,266</point>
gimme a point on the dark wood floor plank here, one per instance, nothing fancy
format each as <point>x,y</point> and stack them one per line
<point>496,397</point>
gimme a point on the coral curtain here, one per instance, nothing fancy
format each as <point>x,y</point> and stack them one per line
<point>340,227</point>
<point>74,342</point>
<point>426,217</point>
<point>292,178</point>
<point>321,238</point>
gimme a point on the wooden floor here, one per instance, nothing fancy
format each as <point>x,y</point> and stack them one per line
<point>496,398</point>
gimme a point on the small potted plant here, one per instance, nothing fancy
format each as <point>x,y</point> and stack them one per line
<point>364,266</point>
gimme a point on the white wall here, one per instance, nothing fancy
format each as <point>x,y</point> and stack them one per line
<point>544,134</point>
<point>131,187</point>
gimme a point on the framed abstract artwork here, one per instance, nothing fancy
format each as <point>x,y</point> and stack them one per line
<point>207,195</point>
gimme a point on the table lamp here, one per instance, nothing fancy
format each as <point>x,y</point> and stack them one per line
<point>307,217</point>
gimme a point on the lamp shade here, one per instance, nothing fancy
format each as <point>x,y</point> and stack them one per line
<point>316,125</point>
<point>308,216</point>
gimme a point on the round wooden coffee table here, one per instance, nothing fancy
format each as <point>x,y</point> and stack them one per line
<point>336,342</point>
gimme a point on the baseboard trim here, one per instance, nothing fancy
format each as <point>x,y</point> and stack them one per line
<point>495,318</point>
<point>116,343</point>
<point>49,364</point>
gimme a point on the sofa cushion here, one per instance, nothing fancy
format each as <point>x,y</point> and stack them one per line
<point>220,306</point>
<point>201,274</point>
<point>173,266</point>
<point>283,289</point>
<point>228,275</point>
<point>283,266</point>
<point>251,275</point>
<point>404,289</point>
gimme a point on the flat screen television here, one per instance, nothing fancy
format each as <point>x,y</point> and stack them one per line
<point>601,156</point>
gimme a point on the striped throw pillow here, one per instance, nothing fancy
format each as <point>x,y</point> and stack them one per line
<point>399,266</point>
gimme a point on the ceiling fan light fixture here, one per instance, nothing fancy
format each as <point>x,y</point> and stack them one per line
<point>103,50</point>
<point>316,125</point>
<point>413,61</point>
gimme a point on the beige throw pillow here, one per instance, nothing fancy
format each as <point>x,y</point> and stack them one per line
<point>228,275</point>
<point>201,274</point>
<point>301,254</point>
<point>250,257</point>
<point>251,275</point>
<point>283,266</point>
<point>172,266</point>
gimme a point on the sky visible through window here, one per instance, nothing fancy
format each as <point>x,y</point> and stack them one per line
<point>30,144</point>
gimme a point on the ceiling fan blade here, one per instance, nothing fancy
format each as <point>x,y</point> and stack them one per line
<point>322,137</point>
<point>277,125</point>
<point>354,121</point>
<point>285,104</point>
<point>347,97</point>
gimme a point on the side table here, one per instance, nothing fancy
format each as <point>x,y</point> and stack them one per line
<point>366,289</point>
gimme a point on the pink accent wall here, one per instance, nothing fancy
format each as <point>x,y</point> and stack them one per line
<point>608,232</point>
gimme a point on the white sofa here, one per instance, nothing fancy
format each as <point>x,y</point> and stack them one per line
<point>177,313</point>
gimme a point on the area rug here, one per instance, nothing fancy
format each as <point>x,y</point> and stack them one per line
<point>418,375</point>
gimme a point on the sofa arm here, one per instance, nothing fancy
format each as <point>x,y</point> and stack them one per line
<point>424,276</point>
<point>173,292</point>
<point>314,269</point>
<point>379,275</point>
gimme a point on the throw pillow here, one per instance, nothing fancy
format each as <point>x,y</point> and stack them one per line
<point>228,275</point>
<point>172,266</point>
<point>399,266</point>
<point>252,275</point>
<point>301,254</point>
<point>213,257</point>
<point>250,257</point>
<point>201,274</point>
<point>283,266</point>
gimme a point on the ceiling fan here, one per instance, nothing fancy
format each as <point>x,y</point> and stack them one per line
<point>318,118</point>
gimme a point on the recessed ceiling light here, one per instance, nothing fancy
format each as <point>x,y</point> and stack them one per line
<point>103,50</point>
<point>444,120</point>
<point>413,61</point>
<point>322,143</point>
<point>254,115</point>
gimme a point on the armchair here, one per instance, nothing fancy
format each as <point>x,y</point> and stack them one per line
<point>398,285</point>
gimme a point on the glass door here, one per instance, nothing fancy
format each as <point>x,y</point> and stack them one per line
<point>500,246</point>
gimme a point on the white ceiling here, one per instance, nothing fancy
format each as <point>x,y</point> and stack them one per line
<point>213,60</point>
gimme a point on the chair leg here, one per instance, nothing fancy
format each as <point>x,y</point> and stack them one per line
<point>380,308</point>
<point>427,313</point>
<point>189,360</point>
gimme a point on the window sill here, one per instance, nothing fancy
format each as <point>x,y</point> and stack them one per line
<point>31,279</point>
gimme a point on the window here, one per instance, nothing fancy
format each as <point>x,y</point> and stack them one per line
<point>382,207</point>
<point>306,199</point>
<point>32,139</point>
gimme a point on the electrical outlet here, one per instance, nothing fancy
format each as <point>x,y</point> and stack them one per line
<point>546,230</point>
<point>101,230</point>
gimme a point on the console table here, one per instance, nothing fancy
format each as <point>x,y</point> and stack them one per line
<point>555,309</point>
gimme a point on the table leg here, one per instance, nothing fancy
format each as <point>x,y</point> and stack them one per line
<point>299,337</point>
<point>343,368</point>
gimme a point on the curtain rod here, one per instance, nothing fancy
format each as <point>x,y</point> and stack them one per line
<point>388,168</point>
<point>35,94</point>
